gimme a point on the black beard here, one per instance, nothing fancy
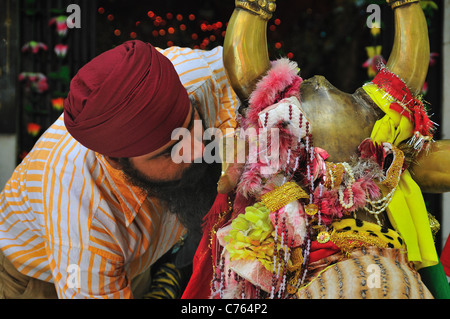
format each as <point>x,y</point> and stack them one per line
<point>189,198</point>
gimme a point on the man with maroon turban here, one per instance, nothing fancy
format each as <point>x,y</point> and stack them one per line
<point>99,199</point>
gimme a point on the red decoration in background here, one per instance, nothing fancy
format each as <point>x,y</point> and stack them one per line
<point>61,25</point>
<point>33,129</point>
<point>445,257</point>
<point>168,25</point>
<point>34,47</point>
<point>61,50</point>
<point>179,29</point>
<point>58,104</point>
<point>374,63</point>
<point>433,57</point>
<point>34,81</point>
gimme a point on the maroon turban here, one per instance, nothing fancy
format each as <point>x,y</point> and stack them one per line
<point>126,102</point>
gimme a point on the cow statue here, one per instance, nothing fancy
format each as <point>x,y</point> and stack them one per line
<point>336,209</point>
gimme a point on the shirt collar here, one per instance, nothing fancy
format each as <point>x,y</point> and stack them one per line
<point>130,196</point>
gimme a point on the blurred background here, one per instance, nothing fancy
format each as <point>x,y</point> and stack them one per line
<point>39,54</point>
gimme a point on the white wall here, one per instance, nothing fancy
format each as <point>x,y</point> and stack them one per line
<point>445,222</point>
<point>7,157</point>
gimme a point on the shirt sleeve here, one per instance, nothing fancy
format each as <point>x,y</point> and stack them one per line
<point>83,257</point>
<point>228,102</point>
<point>72,200</point>
<point>87,274</point>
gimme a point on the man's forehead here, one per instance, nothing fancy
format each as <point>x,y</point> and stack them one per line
<point>187,124</point>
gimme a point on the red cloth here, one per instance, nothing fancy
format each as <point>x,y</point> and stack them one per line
<point>319,251</point>
<point>126,102</point>
<point>393,85</point>
<point>445,257</point>
<point>199,286</point>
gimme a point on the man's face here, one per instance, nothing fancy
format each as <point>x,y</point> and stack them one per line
<point>188,189</point>
<point>158,166</point>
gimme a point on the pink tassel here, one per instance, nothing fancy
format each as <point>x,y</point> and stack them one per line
<point>251,181</point>
<point>371,188</point>
<point>281,81</point>
<point>359,196</point>
<point>329,205</point>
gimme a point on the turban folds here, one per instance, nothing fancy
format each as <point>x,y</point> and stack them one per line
<point>126,102</point>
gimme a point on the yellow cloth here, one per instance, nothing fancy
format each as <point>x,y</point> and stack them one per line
<point>406,211</point>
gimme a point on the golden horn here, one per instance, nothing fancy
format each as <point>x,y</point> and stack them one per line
<point>246,56</point>
<point>410,54</point>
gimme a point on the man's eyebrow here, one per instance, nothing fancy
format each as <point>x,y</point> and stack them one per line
<point>189,128</point>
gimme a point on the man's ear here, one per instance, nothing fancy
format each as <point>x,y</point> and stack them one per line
<point>114,162</point>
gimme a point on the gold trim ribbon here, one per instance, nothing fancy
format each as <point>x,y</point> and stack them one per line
<point>283,195</point>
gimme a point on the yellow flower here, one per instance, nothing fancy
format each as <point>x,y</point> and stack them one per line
<point>374,59</point>
<point>428,4</point>
<point>251,236</point>
<point>375,30</point>
<point>58,103</point>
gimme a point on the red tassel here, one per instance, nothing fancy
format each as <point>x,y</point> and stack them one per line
<point>220,205</point>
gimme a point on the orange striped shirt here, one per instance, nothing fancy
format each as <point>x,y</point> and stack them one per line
<point>69,218</point>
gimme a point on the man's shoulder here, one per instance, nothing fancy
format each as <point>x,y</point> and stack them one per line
<point>57,147</point>
<point>61,161</point>
<point>188,53</point>
<point>186,59</point>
